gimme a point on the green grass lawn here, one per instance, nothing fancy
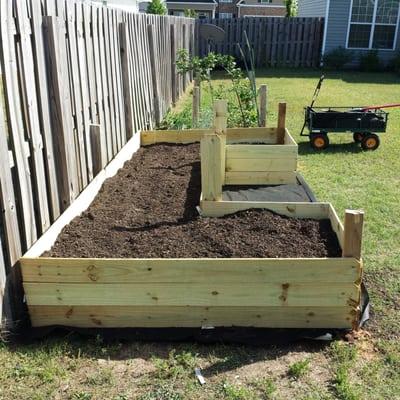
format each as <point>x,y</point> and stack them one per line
<point>72,367</point>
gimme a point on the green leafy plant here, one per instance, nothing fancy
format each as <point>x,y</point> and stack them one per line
<point>243,88</point>
<point>370,62</point>
<point>299,368</point>
<point>291,8</point>
<point>156,7</point>
<point>189,13</point>
<point>338,58</point>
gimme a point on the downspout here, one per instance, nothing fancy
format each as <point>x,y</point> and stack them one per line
<point>328,4</point>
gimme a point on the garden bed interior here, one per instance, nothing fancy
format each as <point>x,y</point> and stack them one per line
<point>139,255</point>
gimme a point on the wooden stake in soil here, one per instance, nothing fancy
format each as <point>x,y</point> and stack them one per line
<point>196,107</point>
<point>281,123</point>
<point>263,106</point>
<point>353,226</point>
<point>220,116</point>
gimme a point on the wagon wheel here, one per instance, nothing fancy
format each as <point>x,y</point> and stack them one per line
<point>358,137</point>
<point>319,141</point>
<point>370,142</point>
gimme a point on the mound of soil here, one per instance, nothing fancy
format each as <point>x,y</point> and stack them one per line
<point>149,210</point>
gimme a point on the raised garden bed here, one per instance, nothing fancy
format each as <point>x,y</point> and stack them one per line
<point>139,256</point>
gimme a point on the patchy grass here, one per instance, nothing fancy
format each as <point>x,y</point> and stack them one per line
<point>76,367</point>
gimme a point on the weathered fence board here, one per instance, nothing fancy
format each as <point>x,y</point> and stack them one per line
<point>289,42</point>
<point>63,79</point>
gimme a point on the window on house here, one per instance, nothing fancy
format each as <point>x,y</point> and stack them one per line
<point>265,1</point>
<point>225,1</point>
<point>225,15</point>
<point>373,24</point>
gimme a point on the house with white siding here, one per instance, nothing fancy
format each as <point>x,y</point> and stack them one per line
<point>357,25</point>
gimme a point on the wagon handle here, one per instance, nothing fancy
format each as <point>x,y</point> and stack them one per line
<point>314,99</point>
<point>381,106</point>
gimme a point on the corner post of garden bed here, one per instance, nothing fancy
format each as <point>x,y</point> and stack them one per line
<point>353,227</point>
<point>212,152</point>
<point>281,123</point>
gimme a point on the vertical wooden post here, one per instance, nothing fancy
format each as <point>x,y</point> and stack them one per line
<point>263,106</point>
<point>173,64</point>
<point>195,107</point>
<point>212,152</point>
<point>126,81</point>
<point>95,144</point>
<point>353,227</point>
<point>155,77</point>
<point>220,116</point>
<point>281,123</point>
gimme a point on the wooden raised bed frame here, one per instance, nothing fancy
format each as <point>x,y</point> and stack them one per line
<point>274,293</point>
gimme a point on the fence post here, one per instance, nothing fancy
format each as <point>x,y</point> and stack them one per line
<point>126,81</point>
<point>353,226</point>
<point>196,107</point>
<point>263,106</point>
<point>220,116</point>
<point>173,64</point>
<point>154,75</point>
<point>281,123</point>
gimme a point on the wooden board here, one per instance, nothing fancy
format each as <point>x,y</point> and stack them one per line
<point>237,135</point>
<point>213,293</point>
<point>227,270</point>
<point>260,178</point>
<point>289,209</point>
<point>170,317</point>
<point>248,151</point>
<point>286,164</point>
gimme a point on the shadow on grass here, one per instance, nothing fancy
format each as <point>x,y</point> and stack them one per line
<point>334,148</point>
<point>219,357</point>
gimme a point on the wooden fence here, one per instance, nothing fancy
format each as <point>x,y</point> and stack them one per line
<point>283,42</point>
<point>78,80</point>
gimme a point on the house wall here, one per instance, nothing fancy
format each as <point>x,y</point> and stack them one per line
<point>228,8</point>
<point>263,11</point>
<point>311,8</point>
<point>336,35</point>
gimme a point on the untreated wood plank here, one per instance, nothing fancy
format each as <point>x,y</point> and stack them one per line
<point>290,209</point>
<point>261,164</point>
<point>179,317</point>
<point>353,229</point>
<point>260,178</point>
<point>209,294</point>
<point>178,270</point>
<point>249,151</point>
<point>212,153</point>
<point>263,106</point>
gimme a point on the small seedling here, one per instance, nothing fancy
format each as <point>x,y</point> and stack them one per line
<point>299,368</point>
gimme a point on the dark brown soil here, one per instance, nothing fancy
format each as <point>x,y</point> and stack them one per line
<point>149,210</point>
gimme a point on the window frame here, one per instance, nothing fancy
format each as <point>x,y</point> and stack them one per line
<point>373,24</point>
<point>225,13</point>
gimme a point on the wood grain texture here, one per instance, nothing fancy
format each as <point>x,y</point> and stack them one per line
<point>170,317</point>
<point>232,270</point>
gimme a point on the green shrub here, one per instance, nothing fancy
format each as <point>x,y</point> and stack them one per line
<point>370,62</point>
<point>338,58</point>
<point>156,7</point>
